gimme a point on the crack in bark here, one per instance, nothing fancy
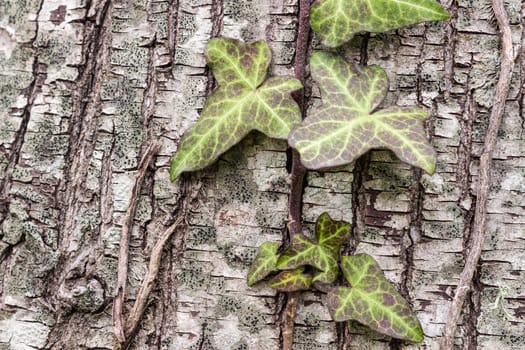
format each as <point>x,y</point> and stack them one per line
<point>40,75</point>
<point>217,13</point>
<point>187,200</point>
<point>173,23</point>
<point>417,194</point>
<point>521,93</point>
<point>450,46</point>
<point>148,112</point>
<point>472,312</point>
<point>412,236</point>
<point>105,204</point>
<point>82,131</point>
<point>186,184</point>
<point>39,72</point>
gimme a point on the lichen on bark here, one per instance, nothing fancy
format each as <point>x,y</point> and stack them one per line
<point>84,89</point>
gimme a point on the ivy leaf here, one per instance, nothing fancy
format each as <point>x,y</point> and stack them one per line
<point>373,300</point>
<point>264,262</point>
<point>323,255</point>
<point>326,261</point>
<point>346,125</point>
<point>330,233</point>
<point>302,251</point>
<point>240,104</point>
<point>291,281</point>
<point>336,21</point>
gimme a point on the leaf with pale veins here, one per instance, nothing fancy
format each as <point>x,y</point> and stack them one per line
<point>244,101</point>
<point>322,255</point>
<point>264,263</point>
<point>347,123</point>
<point>336,21</point>
<point>372,300</point>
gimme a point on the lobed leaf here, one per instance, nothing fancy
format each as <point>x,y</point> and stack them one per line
<point>240,104</point>
<point>291,281</point>
<point>336,21</point>
<point>330,233</point>
<point>322,255</point>
<point>346,125</point>
<point>264,262</point>
<point>373,300</point>
<point>300,252</point>
<point>325,260</point>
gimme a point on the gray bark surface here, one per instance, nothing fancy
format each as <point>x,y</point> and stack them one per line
<point>86,85</point>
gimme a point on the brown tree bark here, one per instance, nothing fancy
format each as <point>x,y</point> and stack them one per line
<point>87,86</point>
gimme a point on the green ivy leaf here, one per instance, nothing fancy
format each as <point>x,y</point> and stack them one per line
<point>345,126</point>
<point>330,233</point>
<point>373,300</point>
<point>300,252</point>
<point>240,104</point>
<point>291,281</point>
<point>336,21</point>
<point>323,255</point>
<point>264,262</point>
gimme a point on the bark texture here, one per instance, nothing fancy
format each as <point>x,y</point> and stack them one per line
<point>86,86</point>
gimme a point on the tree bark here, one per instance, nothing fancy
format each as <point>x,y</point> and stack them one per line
<point>86,86</point>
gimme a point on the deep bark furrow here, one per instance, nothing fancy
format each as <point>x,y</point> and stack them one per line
<point>467,202</point>
<point>471,314</point>
<point>86,97</point>
<point>173,25</point>
<point>157,68</point>
<point>521,94</point>
<point>449,47</point>
<point>82,134</point>
<point>39,72</point>
<point>39,76</point>
<point>217,15</point>
<point>70,195</point>
<point>412,234</point>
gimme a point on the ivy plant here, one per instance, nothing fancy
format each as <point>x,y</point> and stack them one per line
<point>372,300</point>
<point>337,21</point>
<point>369,299</point>
<point>347,124</point>
<point>322,256</point>
<point>244,101</point>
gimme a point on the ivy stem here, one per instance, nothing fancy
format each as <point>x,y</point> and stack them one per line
<point>298,172</point>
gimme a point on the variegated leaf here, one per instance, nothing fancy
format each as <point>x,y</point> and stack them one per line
<point>336,21</point>
<point>264,262</point>
<point>373,300</point>
<point>347,124</point>
<point>240,104</point>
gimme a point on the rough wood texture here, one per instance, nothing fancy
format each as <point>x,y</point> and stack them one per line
<point>85,86</point>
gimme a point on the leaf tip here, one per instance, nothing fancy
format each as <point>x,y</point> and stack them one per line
<point>250,281</point>
<point>431,168</point>
<point>418,336</point>
<point>443,14</point>
<point>174,171</point>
